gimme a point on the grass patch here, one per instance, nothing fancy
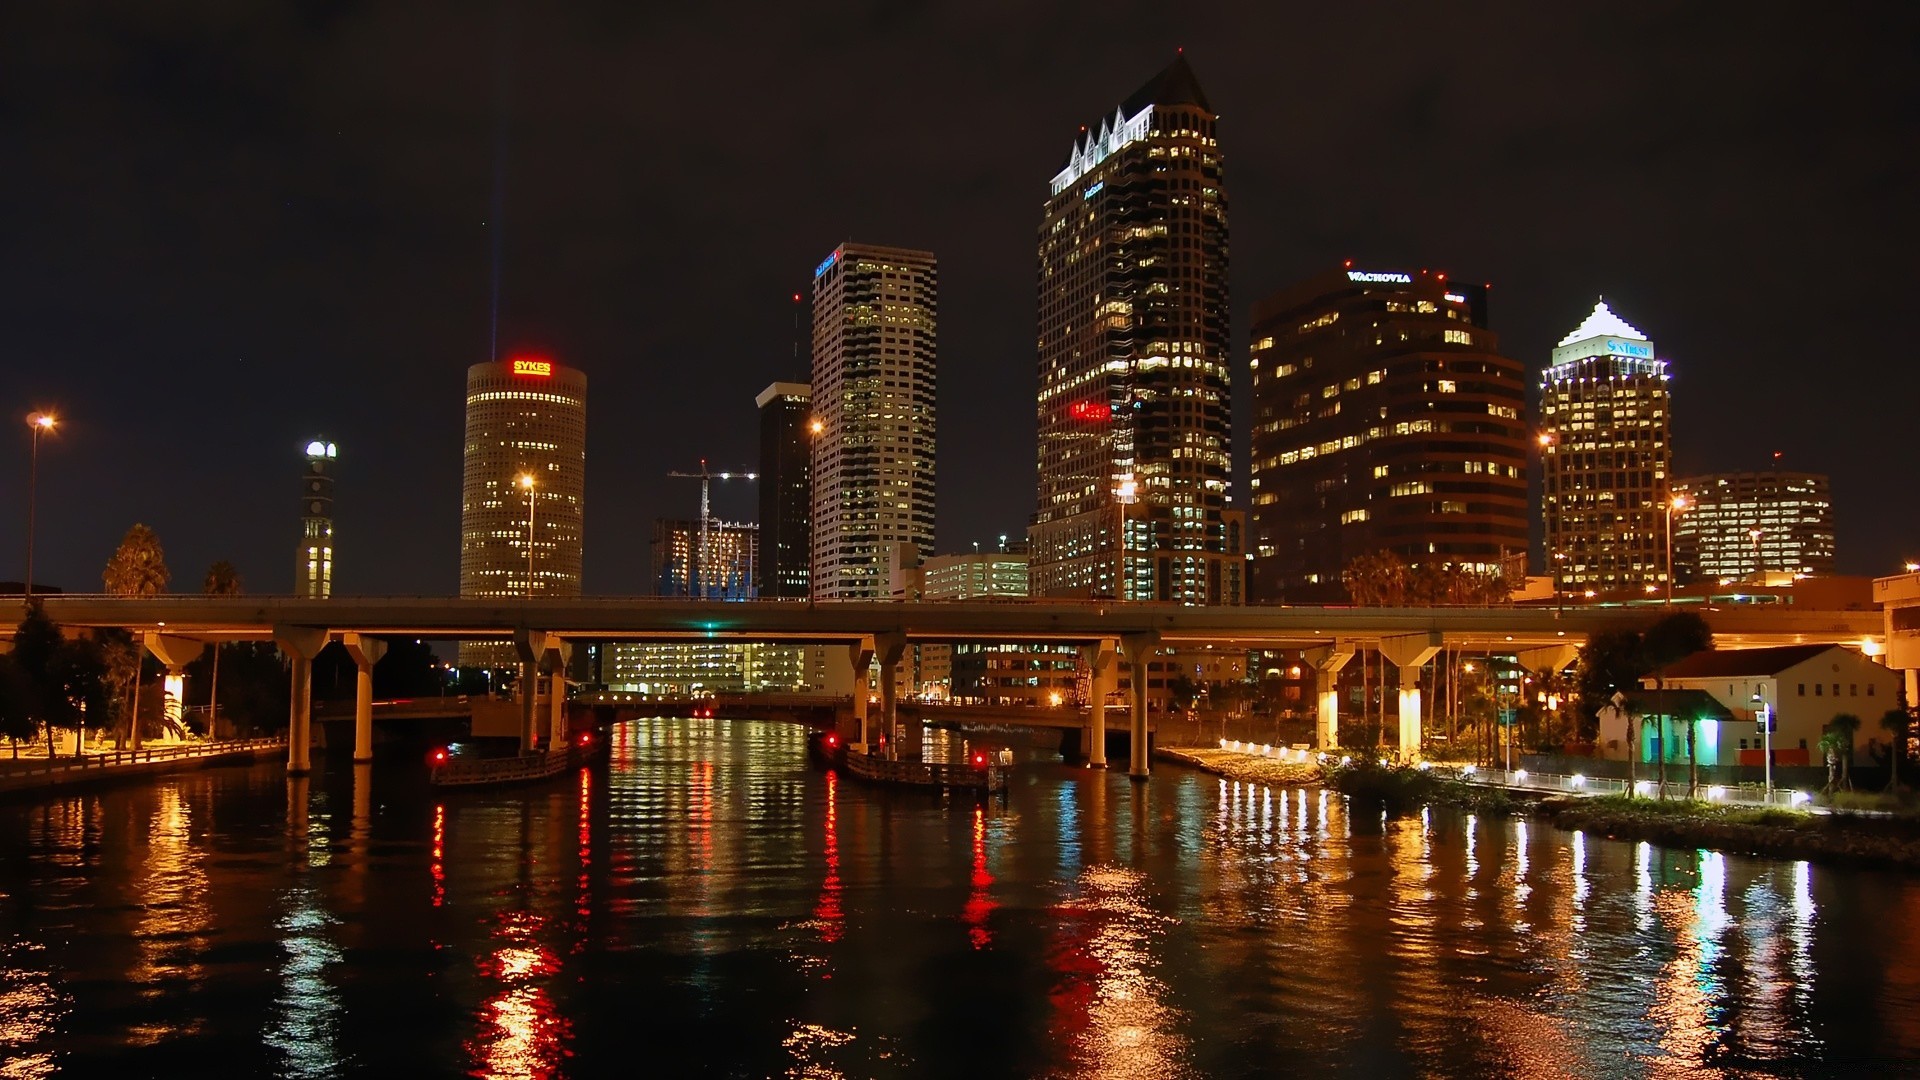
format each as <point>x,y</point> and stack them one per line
<point>1884,802</point>
<point>1675,809</point>
<point>1405,787</point>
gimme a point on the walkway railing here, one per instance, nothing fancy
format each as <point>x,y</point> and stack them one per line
<point>99,762</point>
<point>1579,784</point>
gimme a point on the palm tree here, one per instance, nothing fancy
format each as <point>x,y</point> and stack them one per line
<point>1832,746</point>
<point>1844,725</point>
<point>222,580</point>
<point>1897,723</point>
<point>138,568</point>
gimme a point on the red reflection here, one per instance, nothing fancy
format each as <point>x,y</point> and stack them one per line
<point>581,907</point>
<point>521,1033</point>
<point>700,814</point>
<point>980,902</point>
<point>439,867</point>
<point>827,912</point>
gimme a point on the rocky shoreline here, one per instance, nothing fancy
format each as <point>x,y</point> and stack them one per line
<point>1831,839</point>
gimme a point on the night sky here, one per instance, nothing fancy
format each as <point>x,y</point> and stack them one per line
<point>233,226</point>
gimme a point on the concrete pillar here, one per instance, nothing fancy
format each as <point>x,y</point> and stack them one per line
<point>1103,661</point>
<point>888,649</point>
<point>530,645</point>
<point>300,644</point>
<point>1409,653</point>
<point>1327,660</point>
<point>1139,648</point>
<point>366,652</point>
<point>860,658</point>
<point>558,653</point>
<point>175,653</point>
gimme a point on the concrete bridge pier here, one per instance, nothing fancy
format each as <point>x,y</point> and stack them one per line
<point>530,645</point>
<point>176,653</point>
<point>1327,660</point>
<point>888,649</point>
<point>1139,648</point>
<point>300,644</point>
<point>559,652</point>
<point>366,652</point>
<point>860,658</point>
<point>1410,653</point>
<point>1103,661</point>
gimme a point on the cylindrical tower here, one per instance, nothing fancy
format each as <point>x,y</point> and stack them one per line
<point>526,418</point>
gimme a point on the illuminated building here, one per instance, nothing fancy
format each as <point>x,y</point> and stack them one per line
<point>526,417</point>
<point>875,315</point>
<point>1752,526</point>
<point>1133,356</point>
<point>786,489</point>
<point>727,572</point>
<point>313,566</point>
<point>1385,420</point>
<point>1607,455</point>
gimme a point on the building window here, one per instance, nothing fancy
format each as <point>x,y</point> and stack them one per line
<point>1817,687</point>
<point>1803,689</point>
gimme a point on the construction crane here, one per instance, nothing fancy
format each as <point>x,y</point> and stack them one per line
<point>695,582</point>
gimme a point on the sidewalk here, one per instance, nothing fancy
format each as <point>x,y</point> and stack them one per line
<point>33,774</point>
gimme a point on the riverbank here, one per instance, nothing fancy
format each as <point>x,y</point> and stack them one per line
<point>1247,768</point>
<point>29,778</point>
<point>1887,843</point>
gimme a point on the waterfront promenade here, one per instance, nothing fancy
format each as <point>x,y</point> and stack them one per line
<point>39,773</point>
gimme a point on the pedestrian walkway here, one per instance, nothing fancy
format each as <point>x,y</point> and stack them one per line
<point>32,773</point>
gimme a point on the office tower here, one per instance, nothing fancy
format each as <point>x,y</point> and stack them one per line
<point>1134,405</point>
<point>875,315</point>
<point>786,489</point>
<point>313,567</point>
<point>523,488</point>
<point>1753,526</point>
<point>1606,451</point>
<point>725,572</point>
<point>1385,421</point>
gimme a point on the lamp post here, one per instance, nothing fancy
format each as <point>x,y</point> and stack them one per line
<point>38,422</point>
<point>1675,505</point>
<point>1765,714</point>
<point>1124,494</point>
<point>1759,560</point>
<point>526,481</point>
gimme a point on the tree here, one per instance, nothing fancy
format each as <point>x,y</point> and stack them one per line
<point>1831,745</point>
<point>1610,662</point>
<point>18,718</point>
<point>138,568</point>
<point>1843,727</point>
<point>51,680</point>
<point>1898,725</point>
<point>222,580</point>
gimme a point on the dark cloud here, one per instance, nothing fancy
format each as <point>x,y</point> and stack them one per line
<point>232,225</point>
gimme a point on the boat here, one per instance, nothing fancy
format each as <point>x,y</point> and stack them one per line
<point>449,770</point>
<point>980,772</point>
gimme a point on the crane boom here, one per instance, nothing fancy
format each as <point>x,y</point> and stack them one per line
<point>696,576</point>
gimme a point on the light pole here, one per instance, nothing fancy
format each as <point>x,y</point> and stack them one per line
<point>1765,714</point>
<point>1759,560</point>
<point>526,481</point>
<point>39,422</point>
<point>1675,505</point>
<point>1124,494</point>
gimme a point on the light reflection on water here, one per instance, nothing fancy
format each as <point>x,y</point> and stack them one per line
<point>711,897</point>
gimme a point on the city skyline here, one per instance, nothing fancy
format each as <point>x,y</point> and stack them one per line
<point>224,329</point>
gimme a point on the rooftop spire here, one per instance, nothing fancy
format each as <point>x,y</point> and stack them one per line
<point>1603,323</point>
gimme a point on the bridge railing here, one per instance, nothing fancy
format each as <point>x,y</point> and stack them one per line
<point>96,762</point>
<point>1580,784</point>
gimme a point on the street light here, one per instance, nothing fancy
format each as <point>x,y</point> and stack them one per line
<point>1675,505</point>
<point>1765,715</point>
<point>526,481</point>
<point>38,422</point>
<point>1124,493</point>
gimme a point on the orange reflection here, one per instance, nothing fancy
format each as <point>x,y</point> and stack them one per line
<point>522,1032</point>
<point>173,916</point>
<point>582,906</point>
<point>979,902</point>
<point>439,865</point>
<point>30,1009</point>
<point>1109,1005</point>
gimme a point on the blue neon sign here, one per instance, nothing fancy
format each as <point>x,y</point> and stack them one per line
<point>1095,189</point>
<point>828,265</point>
<point>1616,347</point>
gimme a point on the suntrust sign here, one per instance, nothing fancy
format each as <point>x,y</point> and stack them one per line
<point>1638,350</point>
<point>1389,277</point>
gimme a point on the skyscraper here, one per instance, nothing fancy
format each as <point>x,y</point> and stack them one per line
<point>875,313</point>
<point>313,566</point>
<point>1134,403</point>
<point>786,489</point>
<point>524,486</point>
<point>1607,454</point>
<point>1385,420</point>
<point>1751,525</point>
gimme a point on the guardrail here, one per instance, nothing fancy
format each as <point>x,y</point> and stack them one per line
<point>1580,784</point>
<point>144,755</point>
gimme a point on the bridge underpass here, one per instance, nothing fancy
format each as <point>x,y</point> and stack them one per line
<point>542,630</point>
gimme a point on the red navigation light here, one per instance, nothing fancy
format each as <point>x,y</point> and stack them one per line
<point>833,739</point>
<point>979,759</point>
<point>438,756</point>
<point>586,738</point>
<point>1349,264</point>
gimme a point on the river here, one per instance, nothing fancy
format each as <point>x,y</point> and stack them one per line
<point>708,904</point>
